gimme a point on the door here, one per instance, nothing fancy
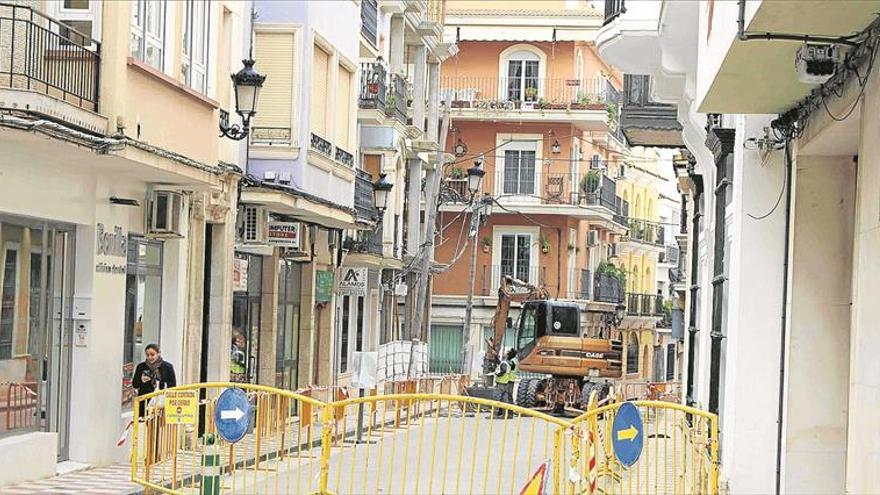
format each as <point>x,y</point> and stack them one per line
<point>58,263</point>
<point>287,344</point>
<point>246,308</point>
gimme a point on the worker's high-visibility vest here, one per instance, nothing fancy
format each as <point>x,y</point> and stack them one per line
<point>508,377</point>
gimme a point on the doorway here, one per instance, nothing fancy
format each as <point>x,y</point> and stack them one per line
<point>36,285</point>
<point>287,343</point>
<point>246,318</point>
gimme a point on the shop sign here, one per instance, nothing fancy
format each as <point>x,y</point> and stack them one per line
<point>323,286</point>
<point>284,234</point>
<point>239,275</point>
<point>181,407</point>
<point>353,282</point>
<point>110,244</point>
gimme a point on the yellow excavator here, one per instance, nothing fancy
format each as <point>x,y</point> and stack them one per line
<point>549,341</point>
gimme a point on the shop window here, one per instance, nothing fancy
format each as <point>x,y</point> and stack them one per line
<point>143,307</point>
<point>9,298</point>
<point>287,343</point>
<point>359,337</point>
<point>246,318</point>
<point>344,334</point>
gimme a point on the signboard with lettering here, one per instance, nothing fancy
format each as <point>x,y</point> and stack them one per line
<point>239,274</point>
<point>323,286</point>
<point>110,245</point>
<point>181,407</point>
<point>353,282</point>
<point>284,234</point>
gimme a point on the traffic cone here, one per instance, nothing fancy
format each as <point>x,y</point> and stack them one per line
<point>210,467</point>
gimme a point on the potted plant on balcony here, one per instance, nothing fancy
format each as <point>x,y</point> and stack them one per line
<point>590,181</point>
<point>545,244</point>
<point>609,269</point>
<point>612,115</point>
<point>457,173</point>
<point>486,243</point>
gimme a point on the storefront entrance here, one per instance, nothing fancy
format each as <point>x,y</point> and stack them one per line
<point>246,307</point>
<point>36,330</point>
<point>287,345</point>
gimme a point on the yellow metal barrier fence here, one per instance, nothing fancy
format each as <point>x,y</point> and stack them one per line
<point>414,443</point>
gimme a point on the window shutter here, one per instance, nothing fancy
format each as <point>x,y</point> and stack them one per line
<point>343,109</point>
<point>275,52</point>
<point>318,103</point>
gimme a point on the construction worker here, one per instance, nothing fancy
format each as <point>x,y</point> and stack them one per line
<point>505,377</point>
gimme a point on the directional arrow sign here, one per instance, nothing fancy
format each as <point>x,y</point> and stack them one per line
<point>628,433</point>
<point>232,414</point>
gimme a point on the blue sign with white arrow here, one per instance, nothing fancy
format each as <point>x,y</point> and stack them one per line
<point>232,414</point>
<point>627,434</point>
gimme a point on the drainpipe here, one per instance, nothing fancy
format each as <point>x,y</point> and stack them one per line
<point>742,35</point>
<point>783,321</point>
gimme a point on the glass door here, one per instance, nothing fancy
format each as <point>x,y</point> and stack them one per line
<point>287,344</point>
<point>246,308</point>
<point>59,339</point>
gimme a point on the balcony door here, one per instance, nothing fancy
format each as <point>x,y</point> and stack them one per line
<point>517,256</point>
<point>523,81</point>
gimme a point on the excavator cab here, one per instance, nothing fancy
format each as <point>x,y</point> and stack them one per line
<point>545,318</point>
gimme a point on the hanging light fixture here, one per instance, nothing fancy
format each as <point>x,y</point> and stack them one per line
<point>381,190</point>
<point>247,83</point>
<point>475,175</point>
<point>557,148</point>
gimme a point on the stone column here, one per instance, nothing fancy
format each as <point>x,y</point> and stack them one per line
<point>419,86</point>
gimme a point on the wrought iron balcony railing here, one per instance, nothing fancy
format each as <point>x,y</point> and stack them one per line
<point>374,86</point>
<point>607,288</point>
<point>38,53</point>
<point>344,157</point>
<point>613,9</point>
<point>524,93</point>
<point>644,304</point>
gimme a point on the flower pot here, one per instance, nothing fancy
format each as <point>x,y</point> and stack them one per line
<point>485,248</point>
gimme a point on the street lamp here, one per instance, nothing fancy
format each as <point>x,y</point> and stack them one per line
<point>475,175</point>
<point>381,188</point>
<point>247,83</point>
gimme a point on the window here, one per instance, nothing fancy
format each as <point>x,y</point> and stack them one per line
<point>77,18</point>
<point>148,32</point>
<point>445,349</point>
<point>7,303</point>
<point>528,327</point>
<point>670,362</point>
<point>516,256</point>
<point>143,297</point>
<point>318,92</point>
<point>519,172</point>
<point>359,336</point>
<point>522,76</point>
<point>275,52</point>
<point>344,106</point>
<point>196,30</point>
<point>632,354</point>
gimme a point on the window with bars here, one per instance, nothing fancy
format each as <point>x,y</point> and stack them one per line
<point>519,172</point>
<point>196,29</point>
<point>148,32</point>
<point>516,256</point>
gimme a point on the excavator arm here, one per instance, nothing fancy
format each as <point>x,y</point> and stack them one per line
<point>507,294</point>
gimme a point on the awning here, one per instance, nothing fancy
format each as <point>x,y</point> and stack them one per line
<point>302,207</point>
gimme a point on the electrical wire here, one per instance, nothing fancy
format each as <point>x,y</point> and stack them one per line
<point>781,193</point>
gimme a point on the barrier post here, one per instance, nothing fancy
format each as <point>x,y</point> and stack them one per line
<point>326,442</point>
<point>210,468</point>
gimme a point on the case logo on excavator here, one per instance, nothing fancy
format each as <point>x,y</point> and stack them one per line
<point>594,355</point>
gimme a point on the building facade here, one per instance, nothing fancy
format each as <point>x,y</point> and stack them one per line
<point>117,214</point>
<point>779,178</point>
<point>538,109</point>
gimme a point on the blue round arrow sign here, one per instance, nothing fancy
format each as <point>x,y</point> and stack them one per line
<point>232,414</point>
<point>627,434</point>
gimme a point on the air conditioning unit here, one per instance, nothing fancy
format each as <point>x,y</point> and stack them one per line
<point>593,238</point>
<point>621,171</point>
<point>164,214</point>
<point>253,224</point>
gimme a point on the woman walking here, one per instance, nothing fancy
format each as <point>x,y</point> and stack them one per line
<point>153,374</point>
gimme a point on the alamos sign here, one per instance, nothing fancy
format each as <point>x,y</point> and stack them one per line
<point>353,282</point>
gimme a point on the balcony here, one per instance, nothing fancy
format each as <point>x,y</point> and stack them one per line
<point>579,280</point>
<point>645,232</point>
<point>366,242</point>
<point>582,101</point>
<point>570,193</point>
<point>321,145</point>
<point>44,56</point>
<point>645,122</point>
<point>374,86</point>
<point>644,304</point>
<point>397,100</point>
<point>607,288</point>
<point>670,256</point>
<point>613,9</point>
<point>363,196</point>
